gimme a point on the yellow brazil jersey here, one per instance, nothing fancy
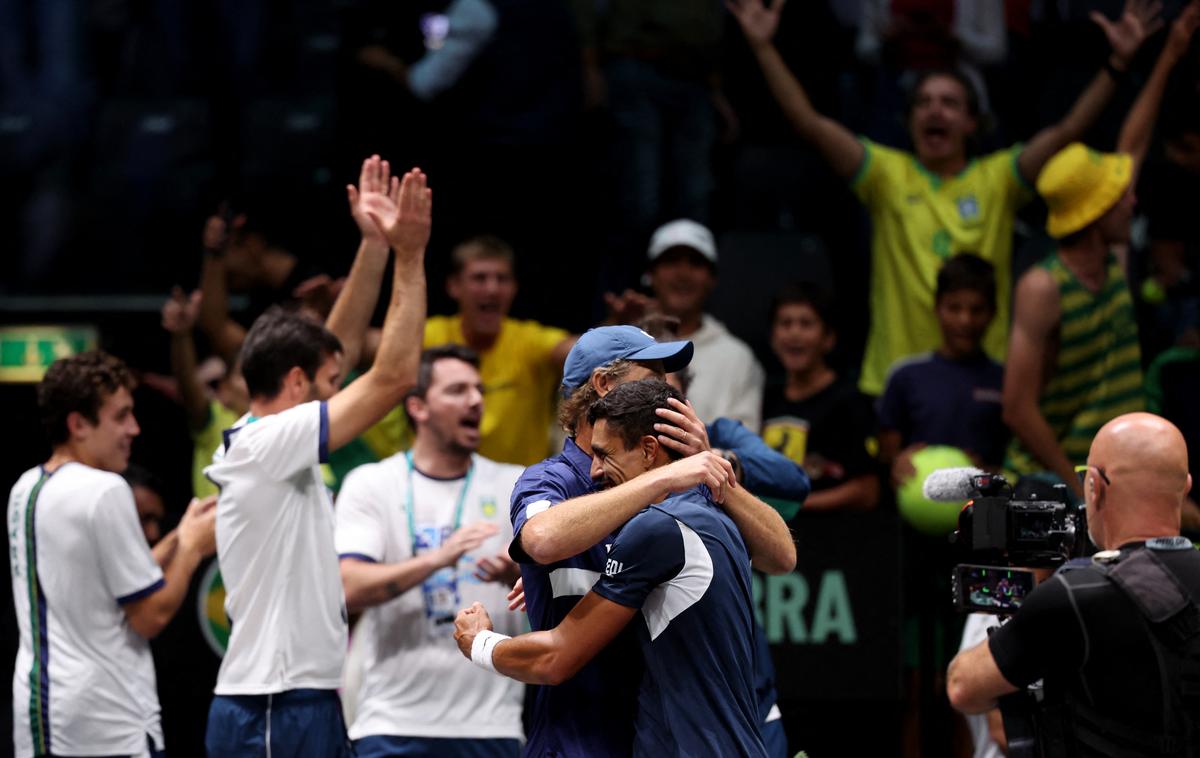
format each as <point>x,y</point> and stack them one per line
<point>205,442</point>
<point>920,220</point>
<point>520,382</point>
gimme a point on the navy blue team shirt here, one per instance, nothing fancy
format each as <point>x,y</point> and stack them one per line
<point>683,564</point>
<point>591,714</point>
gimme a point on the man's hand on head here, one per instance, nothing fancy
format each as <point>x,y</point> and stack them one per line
<point>470,622</point>
<point>682,430</point>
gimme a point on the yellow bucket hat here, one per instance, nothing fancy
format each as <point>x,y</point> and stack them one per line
<point>1080,184</point>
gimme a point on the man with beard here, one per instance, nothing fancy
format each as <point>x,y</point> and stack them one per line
<point>413,531</point>
<point>682,562</point>
<point>276,692</point>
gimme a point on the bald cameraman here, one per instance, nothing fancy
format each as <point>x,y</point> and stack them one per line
<point>1115,638</point>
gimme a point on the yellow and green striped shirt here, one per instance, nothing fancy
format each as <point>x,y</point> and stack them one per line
<point>1098,370</point>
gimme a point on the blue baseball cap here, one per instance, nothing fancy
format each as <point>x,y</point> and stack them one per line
<point>605,344</point>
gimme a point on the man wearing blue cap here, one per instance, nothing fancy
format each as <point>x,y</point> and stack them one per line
<point>557,514</point>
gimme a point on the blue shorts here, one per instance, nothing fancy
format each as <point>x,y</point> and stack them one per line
<point>389,746</point>
<point>296,723</point>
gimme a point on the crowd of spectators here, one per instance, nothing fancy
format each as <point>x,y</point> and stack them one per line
<point>621,159</point>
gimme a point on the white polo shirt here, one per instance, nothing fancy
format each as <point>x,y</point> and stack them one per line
<point>415,682</point>
<point>283,592</point>
<point>84,680</point>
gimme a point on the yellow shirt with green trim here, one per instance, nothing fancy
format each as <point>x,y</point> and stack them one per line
<point>520,383</point>
<point>205,442</point>
<point>920,220</point>
<point>1098,367</point>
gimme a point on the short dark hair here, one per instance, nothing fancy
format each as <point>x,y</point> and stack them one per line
<point>973,106</point>
<point>630,409</point>
<point>429,357</point>
<point>804,293</point>
<point>279,340</point>
<point>967,271</point>
<point>482,247</point>
<point>138,476</point>
<point>79,384</point>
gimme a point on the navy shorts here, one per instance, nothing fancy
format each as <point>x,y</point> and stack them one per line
<point>296,724</point>
<point>389,746</point>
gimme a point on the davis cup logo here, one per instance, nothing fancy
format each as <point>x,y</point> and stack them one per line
<point>210,608</point>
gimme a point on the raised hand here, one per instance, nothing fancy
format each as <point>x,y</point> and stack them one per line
<point>705,468</point>
<point>180,311</point>
<point>374,194</point>
<point>1138,20</point>
<point>1180,36</point>
<point>758,19</point>
<point>683,431</point>
<point>464,540</point>
<point>408,230</point>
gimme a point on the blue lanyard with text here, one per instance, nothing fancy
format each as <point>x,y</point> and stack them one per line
<point>409,501</point>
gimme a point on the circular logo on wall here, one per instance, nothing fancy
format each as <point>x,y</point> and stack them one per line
<point>210,607</point>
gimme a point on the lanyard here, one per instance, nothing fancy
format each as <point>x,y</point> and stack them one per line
<point>409,501</point>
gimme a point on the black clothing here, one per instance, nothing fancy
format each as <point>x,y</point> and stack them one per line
<point>1087,639</point>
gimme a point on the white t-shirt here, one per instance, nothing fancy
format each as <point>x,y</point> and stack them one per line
<point>275,522</point>
<point>974,632</point>
<point>727,379</point>
<point>84,679</point>
<point>415,682</point>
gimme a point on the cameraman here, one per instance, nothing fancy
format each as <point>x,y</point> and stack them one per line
<point>1114,661</point>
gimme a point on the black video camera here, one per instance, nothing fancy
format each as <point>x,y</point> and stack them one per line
<point>997,533</point>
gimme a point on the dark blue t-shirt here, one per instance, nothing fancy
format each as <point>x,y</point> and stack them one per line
<point>591,714</point>
<point>684,565</point>
<point>932,399</point>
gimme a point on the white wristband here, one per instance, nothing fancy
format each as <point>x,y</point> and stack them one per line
<point>483,646</point>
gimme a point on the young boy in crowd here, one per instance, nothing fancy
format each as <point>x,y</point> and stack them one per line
<point>816,418</point>
<point>950,396</point>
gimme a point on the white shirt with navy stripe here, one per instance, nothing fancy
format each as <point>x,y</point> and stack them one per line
<point>415,684</point>
<point>275,523</point>
<point>84,680</point>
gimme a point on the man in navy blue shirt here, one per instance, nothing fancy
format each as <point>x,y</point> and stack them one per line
<point>680,560</point>
<point>563,529</point>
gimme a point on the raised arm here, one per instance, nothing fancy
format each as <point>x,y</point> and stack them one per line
<point>351,314</point>
<point>179,319</point>
<point>178,553</point>
<point>550,657</point>
<point>1139,124</point>
<point>838,144</point>
<point>1138,20</point>
<point>575,525</point>
<point>223,333</point>
<point>368,398</point>
<point>1036,312</point>
<point>768,539</point>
